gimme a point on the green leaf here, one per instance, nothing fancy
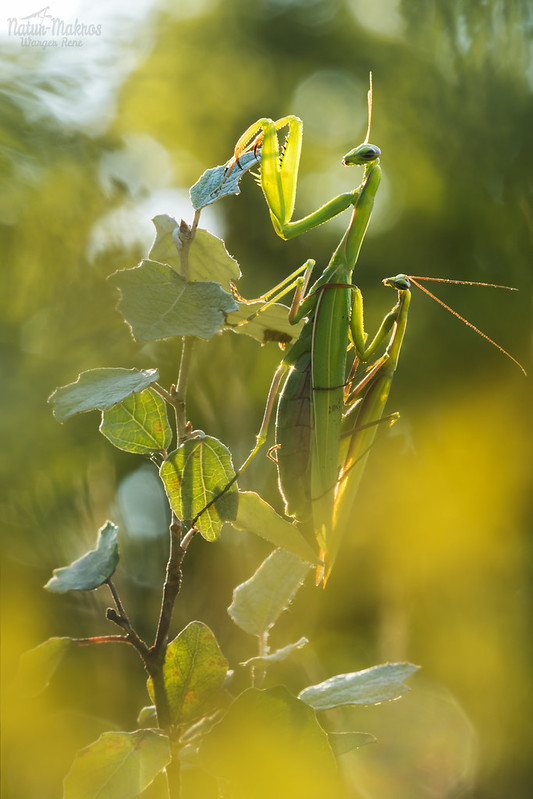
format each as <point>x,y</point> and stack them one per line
<point>367,687</point>
<point>269,744</point>
<point>257,516</point>
<point>164,250</point>
<point>194,672</point>
<point>37,666</point>
<point>93,568</point>
<point>158,303</point>
<point>209,260</point>
<point>272,324</point>
<point>138,423</point>
<point>208,257</point>
<point>259,602</point>
<point>278,655</point>
<point>343,742</point>
<point>99,389</point>
<point>119,765</point>
<point>193,475</point>
<point>218,182</point>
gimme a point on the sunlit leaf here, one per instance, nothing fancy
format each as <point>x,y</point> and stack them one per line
<point>272,324</point>
<point>343,742</point>
<point>99,389</point>
<point>37,666</point>
<point>157,302</point>
<point>257,516</point>
<point>138,423</point>
<point>269,744</point>
<point>119,765</point>
<point>93,568</point>
<point>277,656</point>
<point>219,181</point>
<point>208,258</point>
<point>194,672</point>
<point>367,687</point>
<point>193,476</point>
<point>259,602</point>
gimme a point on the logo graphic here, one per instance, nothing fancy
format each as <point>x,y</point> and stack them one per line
<point>42,29</point>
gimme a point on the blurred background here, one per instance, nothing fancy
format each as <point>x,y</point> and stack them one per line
<point>98,138</point>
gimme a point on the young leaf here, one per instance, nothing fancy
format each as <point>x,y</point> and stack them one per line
<point>138,423</point>
<point>193,475</point>
<point>257,516</point>
<point>272,324</point>
<point>343,742</point>
<point>93,568</point>
<point>194,673</point>
<point>157,302</point>
<point>219,181</point>
<point>367,687</point>
<point>119,765</point>
<point>278,655</point>
<point>99,389</point>
<point>37,666</point>
<point>259,602</point>
<point>269,744</point>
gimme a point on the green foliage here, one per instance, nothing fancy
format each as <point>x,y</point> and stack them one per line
<point>193,476</point>
<point>157,303</point>
<point>99,389</point>
<point>368,687</point>
<point>119,765</point>
<point>257,516</point>
<point>194,672</point>
<point>92,569</point>
<point>259,602</point>
<point>138,424</point>
<point>219,181</point>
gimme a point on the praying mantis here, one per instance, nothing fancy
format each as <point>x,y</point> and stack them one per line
<point>317,460</point>
<point>324,427</point>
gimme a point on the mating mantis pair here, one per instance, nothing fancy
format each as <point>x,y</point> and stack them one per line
<point>325,427</point>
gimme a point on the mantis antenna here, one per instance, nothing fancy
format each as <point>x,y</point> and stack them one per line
<point>415,280</point>
<point>369,101</point>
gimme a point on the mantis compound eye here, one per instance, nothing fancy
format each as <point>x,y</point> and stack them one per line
<point>363,154</point>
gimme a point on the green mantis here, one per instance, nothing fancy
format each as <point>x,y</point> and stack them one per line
<point>318,461</point>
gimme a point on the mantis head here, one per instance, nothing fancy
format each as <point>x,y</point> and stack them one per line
<point>362,155</point>
<point>399,282</point>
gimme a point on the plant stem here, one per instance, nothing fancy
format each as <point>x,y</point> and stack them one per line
<point>101,639</point>
<point>120,618</point>
<point>179,391</point>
